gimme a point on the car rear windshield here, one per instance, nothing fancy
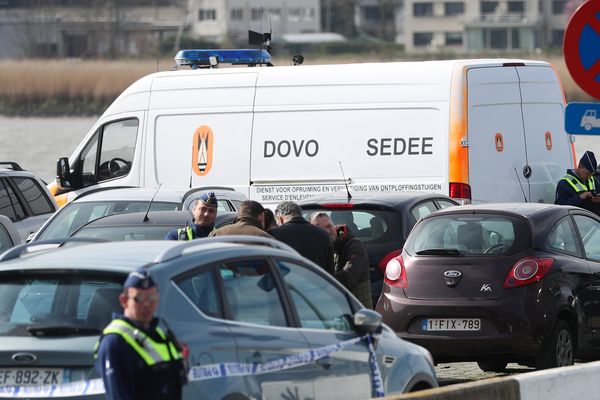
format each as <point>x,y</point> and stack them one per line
<point>118,233</point>
<point>47,303</point>
<point>371,226</point>
<point>469,235</point>
<point>75,215</point>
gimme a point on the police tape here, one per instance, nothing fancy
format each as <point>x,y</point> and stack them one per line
<point>205,372</point>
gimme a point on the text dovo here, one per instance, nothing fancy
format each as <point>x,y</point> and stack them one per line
<point>399,146</point>
<point>292,148</point>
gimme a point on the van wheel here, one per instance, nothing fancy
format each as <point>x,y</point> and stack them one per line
<point>492,366</point>
<point>558,349</point>
<point>588,127</point>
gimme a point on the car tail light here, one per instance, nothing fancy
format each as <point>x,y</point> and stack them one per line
<point>460,192</point>
<point>385,260</point>
<point>338,205</point>
<point>526,271</point>
<point>395,273</point>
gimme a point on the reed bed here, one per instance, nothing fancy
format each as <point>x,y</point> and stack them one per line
<point>50,87</point>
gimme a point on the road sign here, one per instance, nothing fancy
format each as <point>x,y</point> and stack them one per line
<point>581,47</point>
<point>582,118</point>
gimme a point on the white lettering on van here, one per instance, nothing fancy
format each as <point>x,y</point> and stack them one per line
<point>399,146</point>
<point>286,148</point>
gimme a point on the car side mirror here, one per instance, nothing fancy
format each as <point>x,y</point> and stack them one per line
<point>63,173</point>
<point>367,321</point>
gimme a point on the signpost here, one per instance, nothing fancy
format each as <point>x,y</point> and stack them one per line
<point>581,47</point>
<point>582,118</point>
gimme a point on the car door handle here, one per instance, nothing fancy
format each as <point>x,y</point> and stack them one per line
<point>256,358</point>
<point>325,362</point>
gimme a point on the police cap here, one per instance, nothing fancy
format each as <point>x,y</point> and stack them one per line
<point>139,279</point>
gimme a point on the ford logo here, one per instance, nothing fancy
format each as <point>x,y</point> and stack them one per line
<point>452,277</point>
<point>453,274</point>
<point>25,358</point>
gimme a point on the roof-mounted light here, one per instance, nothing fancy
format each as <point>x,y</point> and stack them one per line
<point>212,58</point>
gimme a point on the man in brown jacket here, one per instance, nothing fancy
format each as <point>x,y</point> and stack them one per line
<point>250,221</point>
<point>351,259</point>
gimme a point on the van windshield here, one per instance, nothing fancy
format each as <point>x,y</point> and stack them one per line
<point>469,235</point>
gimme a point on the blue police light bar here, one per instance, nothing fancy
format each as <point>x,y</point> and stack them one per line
<point>211,58</point>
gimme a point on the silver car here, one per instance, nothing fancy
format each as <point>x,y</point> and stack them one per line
<point>237,299</point>
<point>98,203</point>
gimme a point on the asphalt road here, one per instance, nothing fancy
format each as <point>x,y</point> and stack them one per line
<point>452,373</point>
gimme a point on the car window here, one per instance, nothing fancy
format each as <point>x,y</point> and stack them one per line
<point>251,293</point>
<point>470,235</point>
<point>5,239</point>
<point>74,215</point>
<point>9,204</point>
<point>444,203</point>
<point>40,298</point>
<point>34,195</point>
<point>562,237</point>
<point>201,289</point>
<point>589,230</point>
<point>369,226</point>
<point>319,304</point>
<point>422,209</point>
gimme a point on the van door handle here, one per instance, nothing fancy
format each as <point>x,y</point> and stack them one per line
<point>256,358</point>
<point>325,362</point>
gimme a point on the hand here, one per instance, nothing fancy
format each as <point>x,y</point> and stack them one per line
<point>586,195</point>
<point>595,199</point>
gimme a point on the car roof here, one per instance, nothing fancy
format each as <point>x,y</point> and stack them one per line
<point>179,217</point>
<point>523,209</point>
<point>127,256</point>
<point>389,199</point>
<point>131,194</point>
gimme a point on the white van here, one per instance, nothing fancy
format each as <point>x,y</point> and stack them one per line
<point>477,130</point>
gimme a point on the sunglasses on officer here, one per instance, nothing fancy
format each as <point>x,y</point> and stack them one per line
<point>142,298</point>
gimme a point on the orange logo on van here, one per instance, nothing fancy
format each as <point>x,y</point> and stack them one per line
<point>499,142</point>
<point>548,140</point>
<point>202,150</point>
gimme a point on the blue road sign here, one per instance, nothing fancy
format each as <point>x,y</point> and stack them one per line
<point>582,118</point>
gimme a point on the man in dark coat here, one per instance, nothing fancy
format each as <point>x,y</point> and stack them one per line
<point>351,259</point>
<point>204,213</point>
<point>250,221</point>
<point>578,186</point>
<point>310,241</point>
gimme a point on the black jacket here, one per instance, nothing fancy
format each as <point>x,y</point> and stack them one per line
<point>309,240</point>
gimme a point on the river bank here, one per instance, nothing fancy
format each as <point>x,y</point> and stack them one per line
<point>83,88</point>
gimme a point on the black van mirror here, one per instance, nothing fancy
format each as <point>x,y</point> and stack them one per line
<point>63,173</point>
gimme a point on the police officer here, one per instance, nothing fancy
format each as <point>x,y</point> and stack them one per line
<point>136,358</point>
<point>205,212</point>
<point>578,186</point>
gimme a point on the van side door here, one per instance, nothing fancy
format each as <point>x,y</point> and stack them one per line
<point>548,146</point>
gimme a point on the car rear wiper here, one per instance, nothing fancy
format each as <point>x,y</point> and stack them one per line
<point>439,252</point>
<point>62,330</point>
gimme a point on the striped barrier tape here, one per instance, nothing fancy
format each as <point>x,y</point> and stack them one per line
<point>204,372</point>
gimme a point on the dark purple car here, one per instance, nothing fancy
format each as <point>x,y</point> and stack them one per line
<point>499,283</point>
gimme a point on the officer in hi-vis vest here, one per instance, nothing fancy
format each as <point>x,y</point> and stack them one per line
<point>578,186</point>
<point>204,212</point>
<point>136,358</point>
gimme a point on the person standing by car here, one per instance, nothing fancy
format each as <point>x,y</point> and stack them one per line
<point>136,359</point>
<point>351,261</point>
<point>204,212</point>
<point>310,241</point>
<point>250,221</point>
<point>578,186</point>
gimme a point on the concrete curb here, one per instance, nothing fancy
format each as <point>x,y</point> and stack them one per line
<point>575,382</point>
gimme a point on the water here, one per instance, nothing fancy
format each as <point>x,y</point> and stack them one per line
<point>36,143</point>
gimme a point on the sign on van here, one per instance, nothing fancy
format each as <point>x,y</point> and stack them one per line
<point>582,118</point>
